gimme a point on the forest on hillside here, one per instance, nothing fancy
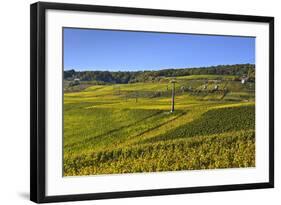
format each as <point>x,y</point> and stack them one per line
<point>124,77</point>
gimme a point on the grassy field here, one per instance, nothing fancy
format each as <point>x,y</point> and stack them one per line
<point>125,128</point>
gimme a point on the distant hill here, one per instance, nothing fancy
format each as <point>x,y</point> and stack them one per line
<point>154,75</point>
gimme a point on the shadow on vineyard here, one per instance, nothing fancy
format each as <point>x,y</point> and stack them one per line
<point>214,122</point>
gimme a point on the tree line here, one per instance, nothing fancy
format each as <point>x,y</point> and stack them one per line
<point>239,70</point>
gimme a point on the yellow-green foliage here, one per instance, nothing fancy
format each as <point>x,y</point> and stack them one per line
<point>214,121</point>
<point>126,128</point>
<point>234,149</point>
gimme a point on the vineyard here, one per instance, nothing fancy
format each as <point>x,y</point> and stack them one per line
<point>127,128</point>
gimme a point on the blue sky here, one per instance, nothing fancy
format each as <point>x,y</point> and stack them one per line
<point>91,49</point>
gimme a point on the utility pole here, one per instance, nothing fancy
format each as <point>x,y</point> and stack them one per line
<point>173,95</point>
<point>136,96</point>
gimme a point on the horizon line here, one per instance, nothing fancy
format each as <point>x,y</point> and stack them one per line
<point>143,70</point>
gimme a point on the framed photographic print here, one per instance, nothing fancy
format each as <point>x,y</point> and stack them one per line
<point>129,102</point>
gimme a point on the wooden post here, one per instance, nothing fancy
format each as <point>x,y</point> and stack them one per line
<point>173,96</point>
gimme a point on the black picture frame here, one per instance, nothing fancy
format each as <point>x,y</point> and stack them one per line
<point>38,103</point>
